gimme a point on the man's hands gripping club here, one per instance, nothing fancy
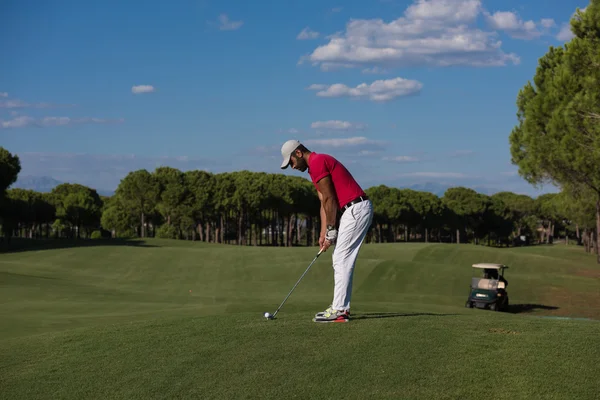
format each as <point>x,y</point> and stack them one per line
<point>328,238</point>
<point>328,199</point>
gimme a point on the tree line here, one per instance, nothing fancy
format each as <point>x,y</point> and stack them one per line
<point>556,139</point>
<point>256,208</point>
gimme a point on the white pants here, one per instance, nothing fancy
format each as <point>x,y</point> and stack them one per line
<point>354,225</point>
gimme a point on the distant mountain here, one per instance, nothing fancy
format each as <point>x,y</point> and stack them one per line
<point>45,184</point>
<point>484,190</point>
<point>38,183</point>
<point>436,188</point>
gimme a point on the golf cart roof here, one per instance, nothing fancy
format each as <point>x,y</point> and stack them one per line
<point>489,266</point>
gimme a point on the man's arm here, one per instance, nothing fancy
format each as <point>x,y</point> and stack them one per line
<point>323,215</point>
<point>328,203</point>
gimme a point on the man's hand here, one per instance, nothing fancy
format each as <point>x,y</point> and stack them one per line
<point>328,238</point>
<point>331,234</point>
<point>323,242</point>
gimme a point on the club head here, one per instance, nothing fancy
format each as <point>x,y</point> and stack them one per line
<point>269,316</point>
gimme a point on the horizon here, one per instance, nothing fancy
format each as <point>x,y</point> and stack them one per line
<point>212,86</point>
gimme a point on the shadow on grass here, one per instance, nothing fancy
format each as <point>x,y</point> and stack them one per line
<point>394,315</point>
<point>18,245</point>
<point>526,308</point>
<point>14,275</point>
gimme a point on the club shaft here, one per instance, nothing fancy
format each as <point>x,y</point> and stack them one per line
<point>302,276</point>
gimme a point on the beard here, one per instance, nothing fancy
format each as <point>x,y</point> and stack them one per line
<point>301,164</point>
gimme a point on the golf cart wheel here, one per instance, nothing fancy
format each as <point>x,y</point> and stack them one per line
<point>468,304</point>
<point>494,307</point>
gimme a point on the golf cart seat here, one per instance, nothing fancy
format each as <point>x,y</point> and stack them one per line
<point>482,283</point>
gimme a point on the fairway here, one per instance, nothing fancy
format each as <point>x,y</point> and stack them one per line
<point>174,319</point>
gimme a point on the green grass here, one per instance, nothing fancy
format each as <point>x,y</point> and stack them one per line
<point>184,320</point>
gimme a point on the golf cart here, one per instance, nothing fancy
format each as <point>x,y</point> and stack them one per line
<point>488,292</point>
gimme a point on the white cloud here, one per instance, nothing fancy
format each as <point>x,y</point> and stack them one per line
<point>142,89</point>
<point>316,86</point>
<point>504,20</point>
<point>367,153</point>
<point>374,71</point>
<point>13,104</point>
<point>358,141</point>
<point>3,94</point>
<point>22,104</point>
<point>24,121</point>
<point>515,27</point>
<point>335,66</point>
<point>307,33</point>
<point>431,33</point>
<point>401,159</point>
<point>17,122</point>
<point>565,34</point>
<point>456,175</point>
<point>292,131</point>
<point>378,91</point>
<point>55,121</point>
<point>337,125</point>
<point>227,25</point>
<point>547,22</point>
<point>444,10</point>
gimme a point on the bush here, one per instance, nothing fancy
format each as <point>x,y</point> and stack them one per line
<point>167,232</point>
<point>101,234</point>
<point>126,234</point>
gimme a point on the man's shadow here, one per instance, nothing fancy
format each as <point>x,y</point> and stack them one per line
<point>393,315</point>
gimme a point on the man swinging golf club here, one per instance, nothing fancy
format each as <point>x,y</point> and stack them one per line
<point>338,191</point>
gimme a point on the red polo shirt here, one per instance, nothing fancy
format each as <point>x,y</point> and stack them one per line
<point>346,188</point>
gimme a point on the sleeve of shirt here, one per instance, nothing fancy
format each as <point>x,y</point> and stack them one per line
<point>319,169</point>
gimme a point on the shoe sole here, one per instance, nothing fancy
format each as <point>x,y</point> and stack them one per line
<point>330,321</point>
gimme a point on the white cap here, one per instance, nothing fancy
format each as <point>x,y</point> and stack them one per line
<point>286,151</point>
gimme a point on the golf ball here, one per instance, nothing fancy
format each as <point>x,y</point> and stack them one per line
<point>267,315</point>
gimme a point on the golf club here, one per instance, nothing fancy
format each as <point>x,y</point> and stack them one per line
<point>272,316</point>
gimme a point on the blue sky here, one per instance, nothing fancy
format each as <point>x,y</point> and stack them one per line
<point>403,92</point>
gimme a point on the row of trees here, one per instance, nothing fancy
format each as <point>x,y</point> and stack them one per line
<point>249,208</point>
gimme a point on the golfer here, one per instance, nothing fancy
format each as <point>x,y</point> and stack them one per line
<point>338,191</point>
